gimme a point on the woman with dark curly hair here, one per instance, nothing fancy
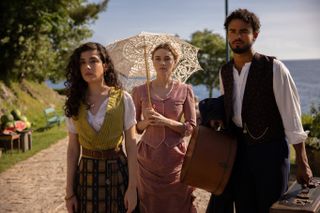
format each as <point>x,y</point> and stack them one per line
<point>102,178</point>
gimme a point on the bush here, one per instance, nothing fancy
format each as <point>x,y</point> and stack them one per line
<point>311,122</point>
<point>315,126</point>
<point>307,121</point>
<point>313,142</point>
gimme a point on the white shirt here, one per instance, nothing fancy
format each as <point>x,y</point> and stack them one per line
<point>96,120</point>
<point>286,95</point>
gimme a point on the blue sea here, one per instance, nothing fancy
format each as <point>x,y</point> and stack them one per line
<point>306,74</point>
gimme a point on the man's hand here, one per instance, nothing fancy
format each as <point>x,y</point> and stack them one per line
<point>304,173</point>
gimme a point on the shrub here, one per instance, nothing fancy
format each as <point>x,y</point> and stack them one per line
<point>307,121</point>
<point>311,123</point>
<point>315,126</point>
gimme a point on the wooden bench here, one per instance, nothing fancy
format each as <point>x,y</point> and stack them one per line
<point>52,117</point>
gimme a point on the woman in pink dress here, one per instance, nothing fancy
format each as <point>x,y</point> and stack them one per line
<point>165,125</point>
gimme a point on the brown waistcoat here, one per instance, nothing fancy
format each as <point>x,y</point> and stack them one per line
<point>261,119</point>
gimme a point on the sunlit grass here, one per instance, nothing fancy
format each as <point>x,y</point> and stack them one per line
<point>31,99</point>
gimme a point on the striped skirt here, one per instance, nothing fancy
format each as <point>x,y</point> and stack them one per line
<point>101,184</point>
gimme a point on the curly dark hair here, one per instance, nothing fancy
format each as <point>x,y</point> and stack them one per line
<point>246,16</point>
<point>76,86</point>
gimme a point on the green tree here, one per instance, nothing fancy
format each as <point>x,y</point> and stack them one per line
<point>211,57</point>
<point>37,35</point>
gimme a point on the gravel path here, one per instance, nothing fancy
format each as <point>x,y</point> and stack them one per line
<point>37,184</point>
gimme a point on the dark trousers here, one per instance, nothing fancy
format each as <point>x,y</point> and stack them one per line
<point>259,178</point>
<point>262,173</point>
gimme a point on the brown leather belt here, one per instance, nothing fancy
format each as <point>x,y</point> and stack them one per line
<point>101,154</point>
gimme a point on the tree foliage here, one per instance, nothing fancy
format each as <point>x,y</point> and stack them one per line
<point>211,57</point>
<point>37,35</point>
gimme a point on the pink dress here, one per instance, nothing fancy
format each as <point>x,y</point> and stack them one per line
<point>161,152</point>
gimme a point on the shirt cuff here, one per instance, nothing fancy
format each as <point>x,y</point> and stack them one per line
<point>295,137</point>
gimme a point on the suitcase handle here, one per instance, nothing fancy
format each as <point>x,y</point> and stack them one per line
<point>305,191</point>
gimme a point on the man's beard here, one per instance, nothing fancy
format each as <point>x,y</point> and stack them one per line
<point>240,50</point>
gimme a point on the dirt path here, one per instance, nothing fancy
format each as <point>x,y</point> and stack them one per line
<point>37,184</point>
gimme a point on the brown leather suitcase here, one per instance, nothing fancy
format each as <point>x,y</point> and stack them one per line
<point>298,199</point>
<point>209,160</point>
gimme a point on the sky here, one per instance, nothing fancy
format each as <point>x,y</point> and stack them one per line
<point>289,28</point>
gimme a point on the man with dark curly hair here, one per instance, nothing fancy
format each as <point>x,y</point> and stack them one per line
<point>262,108</point>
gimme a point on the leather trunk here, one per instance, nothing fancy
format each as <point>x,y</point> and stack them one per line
<point>209,160</point>
<point>298,199</point>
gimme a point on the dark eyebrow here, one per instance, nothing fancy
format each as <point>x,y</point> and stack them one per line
<point>244,30</point>
<point>93,57</point>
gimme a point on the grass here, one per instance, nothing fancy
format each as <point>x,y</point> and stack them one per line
<point>31,99</point>
<point>40,141</point>
<point>46,96</point>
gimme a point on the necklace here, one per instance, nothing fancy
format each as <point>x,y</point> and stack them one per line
<point>96,100</point>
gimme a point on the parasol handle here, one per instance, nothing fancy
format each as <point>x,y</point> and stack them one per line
<point>147,74</point>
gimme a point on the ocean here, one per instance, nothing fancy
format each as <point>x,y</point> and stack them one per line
<point>305,73</point>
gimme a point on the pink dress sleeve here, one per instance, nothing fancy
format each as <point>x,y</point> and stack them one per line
<point>189,108</point>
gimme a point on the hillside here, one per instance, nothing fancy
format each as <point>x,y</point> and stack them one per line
<point>31,99</point>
